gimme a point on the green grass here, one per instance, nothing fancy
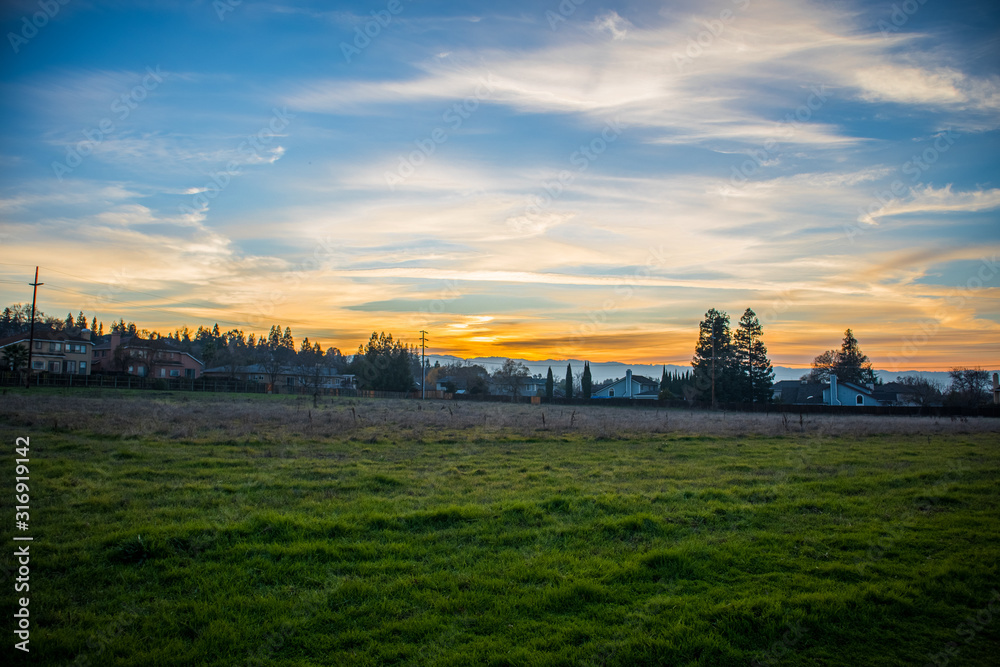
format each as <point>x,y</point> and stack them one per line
<point>435,545</point>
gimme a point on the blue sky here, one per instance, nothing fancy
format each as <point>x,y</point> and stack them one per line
<point>539,180</point>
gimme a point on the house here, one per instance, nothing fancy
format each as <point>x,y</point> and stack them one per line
<point>65,352</point>
<point>803,392</point>
<point>895,393</point>
<point>159,358</point>
<point>527,386</point>
<point>323,377</point>
<point>449,384</point>
<point>631,386</point>
<point>471,379</point>
<point>799,392</point>
<point>534,386</point>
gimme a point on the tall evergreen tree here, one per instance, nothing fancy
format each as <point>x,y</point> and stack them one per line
<point>852,364</point>
<point>549,384</point>
<point>81,321</point>
<point>274,337</point>
<point>569,381</point>
<point>714,360</point>
<point>849,364</point>
<point>384,364</point>
<point>756,373</point>
<point>587,382</point>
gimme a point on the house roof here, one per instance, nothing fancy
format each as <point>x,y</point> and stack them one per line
<point>860,388</point>
<point>808,393</point>
<point>639,379</point>
<point>46,334</point>
<point>136,341</point>
<point>795,391</point>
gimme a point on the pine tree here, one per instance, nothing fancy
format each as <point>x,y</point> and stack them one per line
<point>587,381</point>
<point>69,321</point>
<point>852,364</point>
<point>81,321</point>
<point>100,329</point>
<point>274,337</point>
<point>549,384</point>
<point>569,381</point>
<point>756,373</point>
<point>715,359</point>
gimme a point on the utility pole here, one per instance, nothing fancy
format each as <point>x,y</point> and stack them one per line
<point>423,365</point>
<point>713,364</point>
<point>31,336</point>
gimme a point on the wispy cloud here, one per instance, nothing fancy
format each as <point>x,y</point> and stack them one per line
<point>936,201</point>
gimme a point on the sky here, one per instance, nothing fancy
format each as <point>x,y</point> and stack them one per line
<point>542,180</point>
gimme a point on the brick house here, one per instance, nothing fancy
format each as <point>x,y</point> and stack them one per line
<point>159,358</point>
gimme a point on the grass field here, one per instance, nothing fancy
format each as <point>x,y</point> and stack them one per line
<point>221,530</point>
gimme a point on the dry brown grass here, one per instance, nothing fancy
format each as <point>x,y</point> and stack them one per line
<point>190,416</point>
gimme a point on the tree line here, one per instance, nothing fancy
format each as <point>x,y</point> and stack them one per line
<point>383,363</point>
<point>727,367</point>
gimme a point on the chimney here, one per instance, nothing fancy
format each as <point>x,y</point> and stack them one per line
<point>833,390</point>
<point>116,340</point>
<point>628,383</point>
<point>85,334</point>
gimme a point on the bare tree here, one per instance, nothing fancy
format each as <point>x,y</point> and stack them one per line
<point>272,360</point>
<point>921,391</point>
<point>122,358</point>
<point>235,353</point>
<point>969,386</point>
<point>510,376</point>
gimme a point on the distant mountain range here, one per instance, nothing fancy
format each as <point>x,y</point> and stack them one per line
<point>615,369</point>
